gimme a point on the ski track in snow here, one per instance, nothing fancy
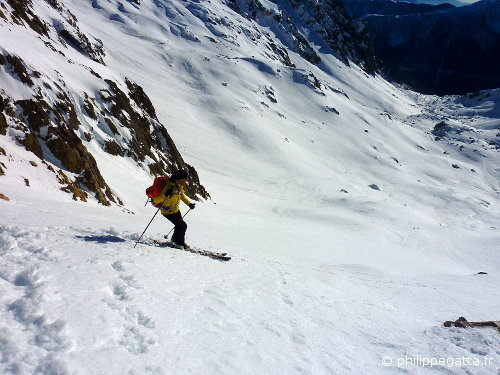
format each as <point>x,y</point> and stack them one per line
<point>299,310</point>
<point>29,289</point>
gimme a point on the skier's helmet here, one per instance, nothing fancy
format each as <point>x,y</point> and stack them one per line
<point>179,175</point>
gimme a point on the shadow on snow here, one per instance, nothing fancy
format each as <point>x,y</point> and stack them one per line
<point>101,238</point>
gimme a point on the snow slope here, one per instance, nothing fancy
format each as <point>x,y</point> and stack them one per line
<point>355,228</point>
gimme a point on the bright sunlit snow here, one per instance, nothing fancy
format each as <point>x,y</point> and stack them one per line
<point>355,228</point>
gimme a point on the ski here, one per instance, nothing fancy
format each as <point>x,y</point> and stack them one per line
<point>207,253</point>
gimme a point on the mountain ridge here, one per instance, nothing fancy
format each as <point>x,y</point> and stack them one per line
<point>443,51</point>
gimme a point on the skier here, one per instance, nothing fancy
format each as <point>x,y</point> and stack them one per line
<point>172,194</point>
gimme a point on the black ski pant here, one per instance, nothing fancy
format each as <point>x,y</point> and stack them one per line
<point>180,228</point>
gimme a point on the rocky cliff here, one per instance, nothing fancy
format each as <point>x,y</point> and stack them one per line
<point>68,107</point>
<point>435,49</point>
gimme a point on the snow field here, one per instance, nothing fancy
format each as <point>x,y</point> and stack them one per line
<point>353,237</point>
<point>168,311</point>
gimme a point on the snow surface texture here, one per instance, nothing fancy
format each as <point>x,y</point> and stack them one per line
<point>356,227</point>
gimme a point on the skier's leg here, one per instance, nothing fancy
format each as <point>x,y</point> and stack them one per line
<point>180,228</point>
<point>179,236</point>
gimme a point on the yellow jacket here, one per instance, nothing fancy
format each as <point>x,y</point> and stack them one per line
<point>173,199</point>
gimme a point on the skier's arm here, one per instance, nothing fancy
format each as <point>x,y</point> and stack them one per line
<point>185,199</point>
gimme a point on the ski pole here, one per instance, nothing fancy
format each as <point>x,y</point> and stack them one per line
<point>151,221</point>
<point>166,237</point>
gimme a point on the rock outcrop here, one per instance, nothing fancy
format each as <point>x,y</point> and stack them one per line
<point>60,123</point>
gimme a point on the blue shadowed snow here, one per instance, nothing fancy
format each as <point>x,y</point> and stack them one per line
<point>261,65</point>
<point>101,239</point>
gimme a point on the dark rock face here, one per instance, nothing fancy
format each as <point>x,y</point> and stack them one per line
<point>332,26</point>
<point>22,12</point>
<point>435,50</point>
<point>67,29</point>
<point>16,67</point>
<point>347,39</point>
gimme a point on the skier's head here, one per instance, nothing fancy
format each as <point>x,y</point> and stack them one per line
<point>179,175</point>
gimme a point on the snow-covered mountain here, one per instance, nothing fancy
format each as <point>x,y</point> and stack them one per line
<point>62,103</point>
<point>358,215</point>
<point>435,49</point>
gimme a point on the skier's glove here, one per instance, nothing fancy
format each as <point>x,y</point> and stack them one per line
<point>192,206</point>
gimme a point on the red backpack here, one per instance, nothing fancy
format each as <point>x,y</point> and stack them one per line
<point>155,189</point>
